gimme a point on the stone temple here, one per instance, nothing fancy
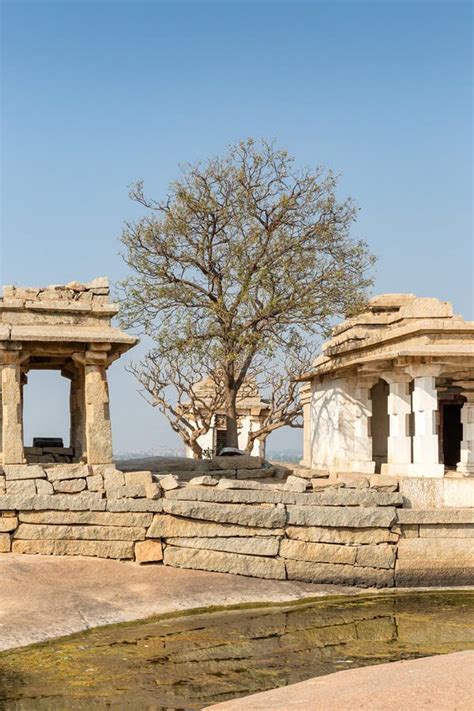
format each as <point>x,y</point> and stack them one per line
<point>66,328</point>
<point>393,392</point>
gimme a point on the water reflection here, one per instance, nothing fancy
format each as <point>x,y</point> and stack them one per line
<point>189,662</point>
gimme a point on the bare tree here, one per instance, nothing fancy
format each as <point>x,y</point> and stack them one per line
<point>245,257</point>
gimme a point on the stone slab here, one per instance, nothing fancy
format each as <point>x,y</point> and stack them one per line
<point>376,556</point>
<point>248,546</point>
<point>242,514</point>
<point>460,530</point>
<point>341,574</point>
<point>347,517</point>
<point>418,573</point>
<point>165,526</point>
<point>23,471</point>
<point>318,534</point>
<point>122,550</point>
<point>149,551</point>
<point>5,543</point>
<point>85,501</point>
<point>438,516</point>
<point>21,487</point>
<point>99,518</point>
<point>318,552</point>
<point>242,461</point>
<point>150,505</point>
<point>437,551</point>
<point>67,471</point>
<point>8,524</point>
<point>31,531</point>
<point>217,561</point>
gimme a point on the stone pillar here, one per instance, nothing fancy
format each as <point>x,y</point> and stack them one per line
<point>306,405</point>
<point>466,463</point>
<point>425,410</point>
<point>12,409</point>
<point>77,409</point>
<point>363,461</point>
<point>399,450</point>
<point>98,427</point>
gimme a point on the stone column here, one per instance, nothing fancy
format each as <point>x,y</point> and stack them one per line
<point>306,405</point>
<point>425,410</point>
<point>98,426</point>
<point>466,463</point>
<point>12,408</point>
<point>363,461</point>
<point>399,449</point>
<point>77,409</point>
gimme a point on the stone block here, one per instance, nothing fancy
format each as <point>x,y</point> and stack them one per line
<point>240,496</point>
<point>165,526</point>
<point>242,514</point>
<point>56,472</point>
<point>114,480</point>
<point>243,461</point>
<point>99,518</point>
<point>169,482</point>
<point>383,483</point>
<point>31,531</point>
<point>264,473</point>
<point>247,546</point>
<point>44,487</point>
<point>328,573</point>
<point>126,505</point>
<point>321,483</point>
<point>23,471</point>
<point>296,483</point>
<point>460,530</point>
<point>419,573</point>
<point>378,556</point>
<point>121,550</point>
<point>218,561</point>
<point>353,481</point>
<point>318,552</point>
<point>437,550</point>
<point>85,501</point>
<point>437,516</point>
<point>356,536</point>
<point>246,484</point>
<point>95,482</point>
<point>345,517</point>
<point>204,480</point>
<point>409,530</point>
<point>5,543</point>
<point>8,524</point>
<point>69,486</point>
<point>25,487</point>
<point>148,551</point>
<point>143,478</point>
<point>223,474</point>
<point>153,491</point>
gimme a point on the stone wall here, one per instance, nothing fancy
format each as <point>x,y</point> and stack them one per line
<point>238,518</point>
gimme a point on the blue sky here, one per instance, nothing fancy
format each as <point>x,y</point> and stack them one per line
<point>97,94</point>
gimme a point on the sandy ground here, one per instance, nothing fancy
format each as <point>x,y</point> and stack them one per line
<point>48,596</point>
<point>443,683</point>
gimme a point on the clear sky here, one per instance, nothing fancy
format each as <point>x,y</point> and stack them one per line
<point>97,94</point>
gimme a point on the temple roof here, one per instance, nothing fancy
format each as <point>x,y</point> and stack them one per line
<point>397,327</point>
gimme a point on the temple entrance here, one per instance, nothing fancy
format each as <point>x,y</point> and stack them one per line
<point>451,433</point>
<point>46,407</point>
<point>379,423</point>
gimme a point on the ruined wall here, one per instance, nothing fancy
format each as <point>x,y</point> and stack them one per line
<point>341,531</point>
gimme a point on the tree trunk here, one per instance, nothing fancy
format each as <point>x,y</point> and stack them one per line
<point>231,417</point>
<point>197,449</point>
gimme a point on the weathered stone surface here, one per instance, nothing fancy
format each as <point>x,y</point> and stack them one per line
<point>263,473</point>
<point>85,501</point>
<point>343,574</point>
<point>5,543</point>
<point>142,478</point>
<point>205,480</point>
<point>8,524</point>
<point>271,517</point>
<point>148,551</point>
<point>135,505</point>
<point>250,565</point>
<point>69,486</point>
<point>129,491</point>
<point>348,517</point>
<point>341,535</point>
<point>460,530</point>
<point>318,552</point>
<point>31,531</point>
<point>383,483</point>
<point>99,518</point>
<point>409,530</point>
<point>67,471</point>
<point>310,473</point>
<point>23,471</point>
<point>169,482</point>
<point>321,483</point>
<point>95,483</point>
<point>453,550</point>
<point>438,516</point>
<point>44,487</point>
<point>244,484</point>
<point>24,487</point>
<point>379,556</point>
<point>296,483</point>
<point>353,481</point>
<point>248,546</point>
<point>101,549</point>
<point>165,526</point>
<point>223,473</point>
<point>153,491</point>
<point>418,573</point>
<point>113,480</point>
<point>242,461</point>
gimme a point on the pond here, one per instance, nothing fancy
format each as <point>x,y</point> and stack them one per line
<point>188,661</point>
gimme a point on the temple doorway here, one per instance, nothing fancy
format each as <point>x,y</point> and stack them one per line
<point>379,423</point>
<point>451,433</point>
